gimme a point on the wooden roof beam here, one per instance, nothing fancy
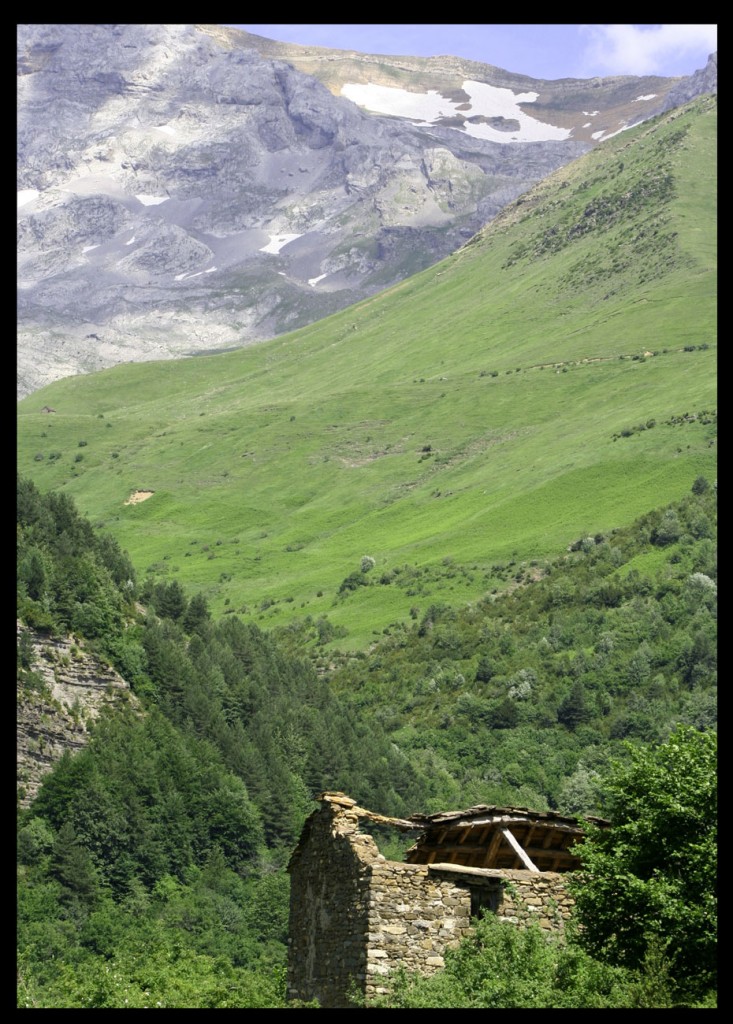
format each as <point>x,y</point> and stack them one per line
<point>529,864</point>
<point>492,847</point>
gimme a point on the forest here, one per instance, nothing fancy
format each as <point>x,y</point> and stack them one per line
<point>152,863</point>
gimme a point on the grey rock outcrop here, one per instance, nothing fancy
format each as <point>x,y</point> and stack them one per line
<point>703,81</point>
<point>71,689</point>
<point>189,188</point>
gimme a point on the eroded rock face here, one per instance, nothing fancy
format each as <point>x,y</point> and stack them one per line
<point>72,689</point>
<point>188,188</point>
<point>703,81</point>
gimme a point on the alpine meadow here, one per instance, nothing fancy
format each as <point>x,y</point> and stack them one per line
<point>554,378</point>
<point>452,546</point>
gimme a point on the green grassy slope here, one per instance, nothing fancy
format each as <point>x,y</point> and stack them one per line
<point>555,377</point>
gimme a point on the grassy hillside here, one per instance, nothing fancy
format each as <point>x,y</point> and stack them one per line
<point>555,377</point>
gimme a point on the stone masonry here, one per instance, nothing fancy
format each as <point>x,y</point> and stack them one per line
<point>355,916</point>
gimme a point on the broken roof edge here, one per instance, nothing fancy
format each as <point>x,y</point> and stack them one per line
<point>422,821</point>
<point>345,815</point>
<point>346,802</point>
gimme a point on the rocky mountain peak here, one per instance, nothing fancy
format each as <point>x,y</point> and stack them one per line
<point>189,188</point>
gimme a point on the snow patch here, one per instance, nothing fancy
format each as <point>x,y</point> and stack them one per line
<point>313,281</point>
<point>27,195</point>
<point>131,241</point>
<point>166,128</point>
<point>649,96</point>
<point>278,242</point>
<point>88,248</point>
<point>485,101</point>
<point>602,136</point>
<point>152,200</point>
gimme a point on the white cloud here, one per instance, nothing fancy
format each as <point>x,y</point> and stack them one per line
<point>643,49</point>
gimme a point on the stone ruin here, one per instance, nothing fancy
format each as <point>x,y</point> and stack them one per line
<point>355,916</point>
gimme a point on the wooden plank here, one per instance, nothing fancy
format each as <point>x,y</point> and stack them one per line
<point>530,865</point>
<point>463,869</point>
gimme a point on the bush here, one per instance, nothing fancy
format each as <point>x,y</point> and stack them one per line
<point>501,966</point>
<point>651,878</point>
<point>352,582</point>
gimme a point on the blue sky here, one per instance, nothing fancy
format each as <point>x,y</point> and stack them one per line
<point>540,51</point>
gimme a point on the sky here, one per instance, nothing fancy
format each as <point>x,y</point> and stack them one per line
<point>540,51</point>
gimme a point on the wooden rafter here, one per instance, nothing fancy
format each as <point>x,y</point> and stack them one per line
<point>493,845</point>
<point>528,863</point>
<point>491,849</point>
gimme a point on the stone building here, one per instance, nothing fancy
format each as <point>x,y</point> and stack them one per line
<point>355,916</point>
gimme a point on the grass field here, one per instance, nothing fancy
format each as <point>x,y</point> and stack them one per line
<point>555,377</point>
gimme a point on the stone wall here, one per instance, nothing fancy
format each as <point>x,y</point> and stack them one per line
<point>355,917</point>
<point>414,916</point>
<point>329,909</point>
<point>528,897</point>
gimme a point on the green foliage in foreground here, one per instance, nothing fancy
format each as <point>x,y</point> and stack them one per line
<point>650,880</point>
<point>644,927</point>
<point>502,967</point>
<point>165,949</point>
<point>144,879</point>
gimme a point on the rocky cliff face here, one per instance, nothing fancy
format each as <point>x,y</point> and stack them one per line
<point>187,188</point>
<point>703,81</point>
<point>68,691</point>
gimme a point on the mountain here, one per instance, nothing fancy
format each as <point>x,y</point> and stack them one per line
<point>552,379</point>
<point>184,189</point>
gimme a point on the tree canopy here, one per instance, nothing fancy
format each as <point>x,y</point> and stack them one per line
<point>650,880</point>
